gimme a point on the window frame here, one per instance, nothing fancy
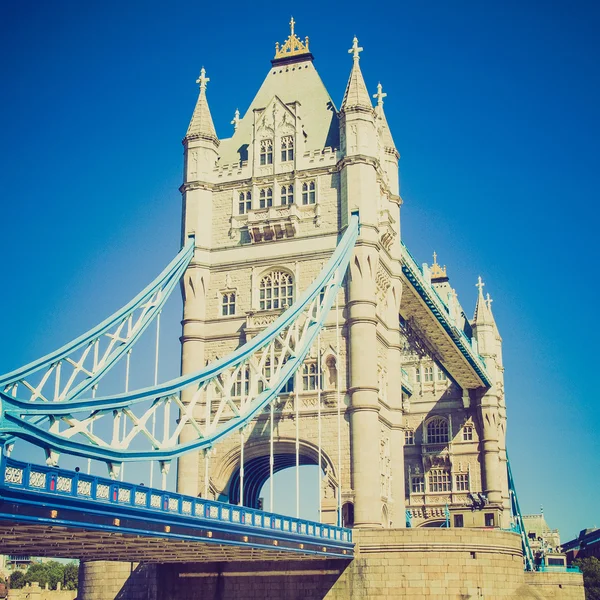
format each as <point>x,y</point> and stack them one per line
<point>273,298</point>
<point>266,152</point>
<point>409,437</point>
<point>310,376</point>
<point>309,192</point>
<point>439,480</point>
<point>265,197</point>
<point>287,194</point>
<point>228,303</point>
<point>244,202</point>
<point>287,148</point>
<point>438,425</point>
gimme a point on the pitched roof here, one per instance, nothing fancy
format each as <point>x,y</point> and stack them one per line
<point>201,123</point>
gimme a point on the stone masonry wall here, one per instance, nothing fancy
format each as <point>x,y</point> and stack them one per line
<point>416,564</point>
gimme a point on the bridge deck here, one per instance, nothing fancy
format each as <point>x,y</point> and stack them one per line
<point>53,512</point>
<point>434,324</point>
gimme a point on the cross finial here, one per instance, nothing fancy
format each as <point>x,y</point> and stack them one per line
<point>292,23</point>
<point>435,253</point>
<point>489,301</point>
<point>480,285</point>
<point>203,79</point>
<point>236,119</point>
<point>355,50</point>
<point>380,96</point>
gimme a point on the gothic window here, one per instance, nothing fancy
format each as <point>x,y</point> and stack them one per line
<point>310,376</point>
<point>309,192</point>
<point>245,202</point>
<point>417,484</point>
<point>228,303</point>
<point>266,152</point>
<point>441,375</point>
<point>462,482</point>
<point>468,433</point>
<point>287,194</point>
<point>409,437</point>
<point>242,382</point>
<point>418,374</point>
<point>428,374</point>
<point>287,148</point>
<point>276,290</point>
<point>437,431</point>
<point>439,480</point>
<point>332,373</point>
<point>266,197</point>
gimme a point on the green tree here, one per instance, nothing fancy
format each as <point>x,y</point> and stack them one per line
<point>17,579</point>
<point>71,573</point>
<point>50,573</point>
<point>590,567</point>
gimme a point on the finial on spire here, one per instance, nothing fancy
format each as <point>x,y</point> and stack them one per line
<point>293,45</point>
<point>480,285</point>
<point>380,96</point>
<point>355,50</point>
<point>203,79</point>
<point>236,120</point>
<point>437,272</point>
<point>489,301</point>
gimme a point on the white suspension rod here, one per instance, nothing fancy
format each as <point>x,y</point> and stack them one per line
<point>241,502</point>
<point>271,460</point>
<point>89,460</point>
<point>339,405</point>
<point>155,383</point>
<point>127,367</point>
<point>297,404</point>
<point>206,471</point>
<point>319,474</point>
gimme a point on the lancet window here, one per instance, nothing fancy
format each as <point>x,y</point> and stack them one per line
<point>417,484</point>
<point>309,192</point>
<point>428,374</point>
<point>242,382</point>
<point>310,376</point>
<point>287,194</point>
<point>245,202</point>
<point>287,148</point>
<point>437,431</point>
<point>276,290</point>
<point>462,482</point>
<point>228,303</point>
<point>468,433</point>
<point>409,437</point>
<point>266,152</point>
<point>266,197</point>
<point>439,480</point>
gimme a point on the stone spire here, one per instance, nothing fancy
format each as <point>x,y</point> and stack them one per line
<point>356,96</point>
<point>201,125</point>
<point>483,314</point>
<point>385,135</point>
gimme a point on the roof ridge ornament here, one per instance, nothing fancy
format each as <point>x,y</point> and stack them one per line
<point>293,46</point>
<point>202,79</point>
<point>355,50</point>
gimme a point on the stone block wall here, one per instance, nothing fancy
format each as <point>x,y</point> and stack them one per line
<point>415,564</point>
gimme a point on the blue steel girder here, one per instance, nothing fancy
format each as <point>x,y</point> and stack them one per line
<point>45,502</point>
<point>230,391</point>
<point>455,352</point>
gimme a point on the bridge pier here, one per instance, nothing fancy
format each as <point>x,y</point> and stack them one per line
<point>390,563</point>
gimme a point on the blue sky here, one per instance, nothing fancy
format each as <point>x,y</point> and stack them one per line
<point>493,109</point>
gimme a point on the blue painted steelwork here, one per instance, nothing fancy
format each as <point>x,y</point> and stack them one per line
<point>406,387</point>
<point>408,518</point>
<point>165,283</point>
<point>41,494</point>
<point>528,557</point>
<point>542,568</point>
<point>21,418</point>
<point>414,274</point>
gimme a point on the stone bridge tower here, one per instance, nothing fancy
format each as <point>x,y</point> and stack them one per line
<point>267,207</point>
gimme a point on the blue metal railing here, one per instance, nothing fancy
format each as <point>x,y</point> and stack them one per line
<point>414,273</point>
<point>543,568</point>
<point>61,483</point>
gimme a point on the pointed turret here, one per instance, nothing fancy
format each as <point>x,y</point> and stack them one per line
<point>356,96</point>
<point>483,314</point>
<point>201,124</point>
<point>385,135</point>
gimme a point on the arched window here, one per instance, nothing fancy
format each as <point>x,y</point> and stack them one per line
<point>310,376</point>
<point>228,304</point>
<point>266,197</point>
<point>287,194</point>
<point>437,431</point>
<point>245,202</point>
<point>287,148</point>
<point>276,290</point>
<point>332,373</point>
<point>428,374</point>
<point>309,192</point>
<point>266,152</point>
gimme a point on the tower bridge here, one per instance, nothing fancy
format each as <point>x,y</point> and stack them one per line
<point>310,336</point>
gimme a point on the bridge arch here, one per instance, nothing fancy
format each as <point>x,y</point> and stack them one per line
<point>257,467</point>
